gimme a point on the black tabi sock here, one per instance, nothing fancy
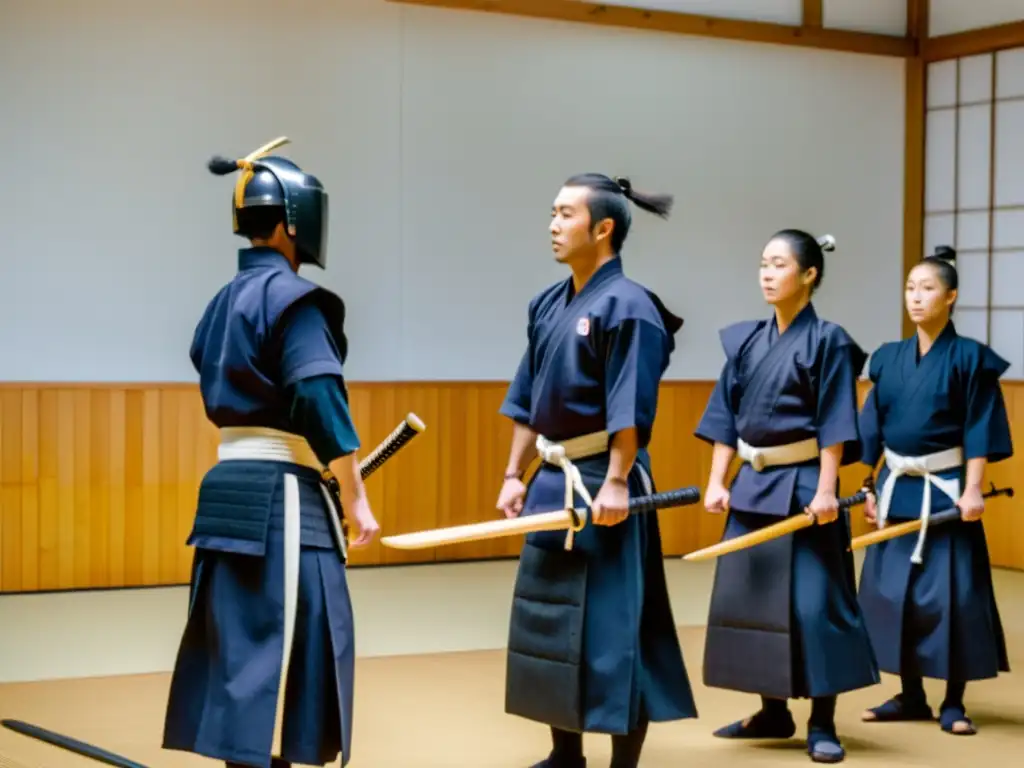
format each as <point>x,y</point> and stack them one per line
<point>626,749</point>
<point>566,745</point>
<point>775,709</point>
<point>913,689</point>
<point>954,694</point>
<point>910,669</point>
<point>823,713</point>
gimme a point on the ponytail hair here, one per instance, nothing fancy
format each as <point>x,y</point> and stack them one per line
<point>660,205</point>
<point>607,199</point>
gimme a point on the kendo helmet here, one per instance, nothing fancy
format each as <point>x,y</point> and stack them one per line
<point>269,180</point>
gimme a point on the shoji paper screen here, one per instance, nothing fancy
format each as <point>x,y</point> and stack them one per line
<point>974,192</point>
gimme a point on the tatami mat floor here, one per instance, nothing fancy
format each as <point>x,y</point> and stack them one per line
<point>430,680</point>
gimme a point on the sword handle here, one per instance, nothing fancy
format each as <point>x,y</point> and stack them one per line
<point>944,517</point>
<point>953,513</point>
<point>903,528</point>
<point>410,426</point>
<point>851,501</point>
<point>680,497</point>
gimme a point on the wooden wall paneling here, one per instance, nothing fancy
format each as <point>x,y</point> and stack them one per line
<point>12,535</point>
<point>98,484</point>
<point>448,475</point>
<point>1004,527</point>
<point>679,459</point>
<point>476,439</point>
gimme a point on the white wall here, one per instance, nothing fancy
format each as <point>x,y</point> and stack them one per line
<point>974,192</point>
<point>947,17</point>
<point>883,17</point>
<point>442,137</point>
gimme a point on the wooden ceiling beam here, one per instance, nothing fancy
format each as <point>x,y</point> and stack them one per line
<point>974,41</point>
<point>687,24</point>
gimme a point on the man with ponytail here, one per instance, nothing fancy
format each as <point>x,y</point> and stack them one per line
<point>269,351</point>
<point>592,645</point>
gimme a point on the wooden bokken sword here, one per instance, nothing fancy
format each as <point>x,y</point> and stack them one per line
<point>555,520</point>
<point>769,532</point>
<point>911,526</point>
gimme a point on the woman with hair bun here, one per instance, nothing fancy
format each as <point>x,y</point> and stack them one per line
<point>936,415</point>
<point>784,621</point>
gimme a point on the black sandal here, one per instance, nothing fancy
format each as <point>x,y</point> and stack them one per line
<point>824,747</point>
<point>897,709</point>
<point>761,726</point>
<point>950,717</point>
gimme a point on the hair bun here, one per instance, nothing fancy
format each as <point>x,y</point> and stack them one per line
<point>827,243</point>
<point>945,252</point>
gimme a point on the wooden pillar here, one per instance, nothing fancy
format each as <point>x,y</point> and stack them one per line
<point>812,15</point>
<point>916,89</point>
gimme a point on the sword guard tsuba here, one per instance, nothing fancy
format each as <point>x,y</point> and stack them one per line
<point>328,479</point>
<point>869,483</point>
<point>334,487</point>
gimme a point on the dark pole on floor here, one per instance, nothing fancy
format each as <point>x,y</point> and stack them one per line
<point>71,745</point>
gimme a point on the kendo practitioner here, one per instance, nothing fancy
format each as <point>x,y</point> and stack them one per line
<point>936,415</point>
<point>592,645</point>
<point>784,620</point>
<point>264,674</point>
